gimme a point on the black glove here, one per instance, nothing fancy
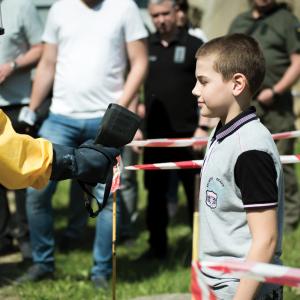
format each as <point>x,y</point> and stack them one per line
<point>89,163</point>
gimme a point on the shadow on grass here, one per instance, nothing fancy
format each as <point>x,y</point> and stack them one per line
<point>132,269</point>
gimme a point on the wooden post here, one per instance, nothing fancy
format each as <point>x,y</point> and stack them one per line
<point>196,219</point>
<point>114,240</point>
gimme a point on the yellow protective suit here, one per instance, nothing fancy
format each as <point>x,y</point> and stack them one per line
<point>24,161</point>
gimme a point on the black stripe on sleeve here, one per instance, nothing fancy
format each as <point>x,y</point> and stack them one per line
<point>255,175</point>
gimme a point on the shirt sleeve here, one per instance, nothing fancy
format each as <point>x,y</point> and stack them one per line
<point>292,34</point>
<point>32,24</point>
<point>24,161</point>
<point>255,175</point>
<point>50,34</point>
<point>134,27</point>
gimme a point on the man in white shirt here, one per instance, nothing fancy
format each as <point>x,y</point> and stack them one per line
<point>87,46</point>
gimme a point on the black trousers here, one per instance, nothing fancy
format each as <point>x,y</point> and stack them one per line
<point>156,182</point>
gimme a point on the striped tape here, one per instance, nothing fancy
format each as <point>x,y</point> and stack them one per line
<point>187,142</point>
<point>197,164</point>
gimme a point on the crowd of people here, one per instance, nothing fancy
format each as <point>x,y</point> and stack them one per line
<point>85,65</point>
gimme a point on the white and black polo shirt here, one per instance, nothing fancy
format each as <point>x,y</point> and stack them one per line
<point>242,171</point>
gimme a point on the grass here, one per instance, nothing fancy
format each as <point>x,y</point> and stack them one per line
<point>133,278</point>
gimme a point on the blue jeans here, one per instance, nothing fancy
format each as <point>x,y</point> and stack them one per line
<point>70,132</point>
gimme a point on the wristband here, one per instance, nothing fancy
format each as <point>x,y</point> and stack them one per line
<point>28,116</point>
<point>203,127</point>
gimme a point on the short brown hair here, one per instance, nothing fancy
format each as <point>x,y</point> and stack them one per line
<point>237,53</point>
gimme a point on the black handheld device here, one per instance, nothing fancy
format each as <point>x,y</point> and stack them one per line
<point>118,127</point>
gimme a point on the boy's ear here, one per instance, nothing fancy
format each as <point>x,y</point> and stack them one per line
<point>239,84</point>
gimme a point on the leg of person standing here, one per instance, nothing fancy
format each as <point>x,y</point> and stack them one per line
<point>40,218</point>
<point>60,130</point>
<point>129,196</point>
<point>156,213</point>
<point>102,249</point>
<point>6,239</point>
<point>22,224</point>
<point>20,230</point>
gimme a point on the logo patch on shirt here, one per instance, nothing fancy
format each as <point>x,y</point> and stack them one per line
<point>214,192</point>
<point>152,58</point>
<point>179,54</point>
<point>211,199</point>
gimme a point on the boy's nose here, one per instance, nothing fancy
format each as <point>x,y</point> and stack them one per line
<point>196,90</point>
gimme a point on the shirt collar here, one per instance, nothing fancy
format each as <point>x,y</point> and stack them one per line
<point>179,35</point>
<point>243,118</point>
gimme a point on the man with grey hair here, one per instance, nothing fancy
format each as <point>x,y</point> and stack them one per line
<point>171,112</point>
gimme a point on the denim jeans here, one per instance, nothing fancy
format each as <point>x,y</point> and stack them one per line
<point>71,132</point>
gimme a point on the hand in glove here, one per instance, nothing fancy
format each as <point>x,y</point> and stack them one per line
<point>89,163</point>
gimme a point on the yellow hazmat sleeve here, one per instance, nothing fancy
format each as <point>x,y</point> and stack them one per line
<point>24,161</point>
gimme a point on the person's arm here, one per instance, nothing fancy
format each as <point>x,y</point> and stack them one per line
<point>263,229</point>
<point>27,60</point>
<point>138,60</point>
<point>291,75</point>
<point>256,177</point>
<point>44,76</point>
<point>26,161</point>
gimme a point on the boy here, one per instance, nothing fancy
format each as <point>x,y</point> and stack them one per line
<point>241,188</point>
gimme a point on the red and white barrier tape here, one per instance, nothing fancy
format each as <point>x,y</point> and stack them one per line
<point>281,275</point>
<point>199,141</point>
<point>197,164</point>
<point>199,288</point>
<point>286,135</point>
<point>170,142</point>
<point>190,164</point>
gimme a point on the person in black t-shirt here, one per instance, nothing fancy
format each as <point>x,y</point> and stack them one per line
<point>171,112</point>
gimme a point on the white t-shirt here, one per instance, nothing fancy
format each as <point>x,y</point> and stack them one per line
<point>91,59</point>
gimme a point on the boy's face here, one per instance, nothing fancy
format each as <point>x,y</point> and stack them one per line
<point>214,95</point>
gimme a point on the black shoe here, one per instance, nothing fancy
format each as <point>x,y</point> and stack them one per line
<point>25,249</point>
<point>7,248</point>
<point>100,283</point>
<point>35,273</point>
